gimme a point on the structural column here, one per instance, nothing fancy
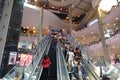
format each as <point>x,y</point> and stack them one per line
<point>40,24</point>
<point>70,20</point>
<point>10,32</point>
<point>105,50</point>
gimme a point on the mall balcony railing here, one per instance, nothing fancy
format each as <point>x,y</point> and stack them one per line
<point>24,72</point>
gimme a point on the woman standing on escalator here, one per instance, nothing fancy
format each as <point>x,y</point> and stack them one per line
<point>46,65</point>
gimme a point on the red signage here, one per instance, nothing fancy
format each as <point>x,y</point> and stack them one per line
<point>25,59</point>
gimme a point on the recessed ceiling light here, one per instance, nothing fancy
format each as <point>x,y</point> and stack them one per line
<point>61,9</point>
<point>116,18</point>
<point>67,17</point>
<point>114,24</point>
<point>27,27</point>
<point>23,27</point>
<point>44,5</point>
<point>106,27</point>
<point>73,6</point>
<point>94,37</point>
<point>83,36</point>
<point>92,32</point>
<point>108,24</point>
<point>113,46</point>
<point>52,7</point>
<point>33,27</point>
<point>36,0</point>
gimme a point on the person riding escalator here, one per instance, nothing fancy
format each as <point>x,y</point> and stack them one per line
<point>46,65</point>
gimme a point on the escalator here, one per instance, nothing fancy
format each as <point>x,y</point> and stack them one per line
<point>52,74</point>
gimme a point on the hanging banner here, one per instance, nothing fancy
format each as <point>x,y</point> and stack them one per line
<point>25,59</point>
<point>12,58</point>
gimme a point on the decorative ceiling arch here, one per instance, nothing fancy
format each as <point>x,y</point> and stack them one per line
<point>63,3</point>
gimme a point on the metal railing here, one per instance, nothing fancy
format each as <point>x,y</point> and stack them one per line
<point>27,71</point>
<point>38,69</point>
<point>62,72</point>
<point>85,53</point>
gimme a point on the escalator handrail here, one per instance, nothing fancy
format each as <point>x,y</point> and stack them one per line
<point>40,57</point>
<point>63,72</point>
<point>39,46</point>
<point>72,42</point>
<point>13,69</point>
<point>40,65</point>
<point>91,70</point>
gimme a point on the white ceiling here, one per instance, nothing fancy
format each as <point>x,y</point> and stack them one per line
<point>31,16</point>
<point>86,35</point>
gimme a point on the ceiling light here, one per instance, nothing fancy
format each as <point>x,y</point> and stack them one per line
<point>114,24</point>
<point>92,32</point>
<point>107,5</point>
<point>67,17</point>
<point>73,6</point>
<point>34,31</point>
<point>52,7</point>
<point>33,27</point>
<point>83,36</point>
<point>35,0</point>
<point>94,37</point>
<point>106,27</point>
<point>113,46</point>
<point>27,27</point>
<point>61,9</point>
<point>116,18</point>
<point>44,5</point>
<point>108,24</point>
<point>23,27</point>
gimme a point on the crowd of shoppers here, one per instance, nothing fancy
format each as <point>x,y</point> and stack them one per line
<point>73,58</point>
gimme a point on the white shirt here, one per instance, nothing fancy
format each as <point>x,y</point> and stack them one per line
<point>71,55</point>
